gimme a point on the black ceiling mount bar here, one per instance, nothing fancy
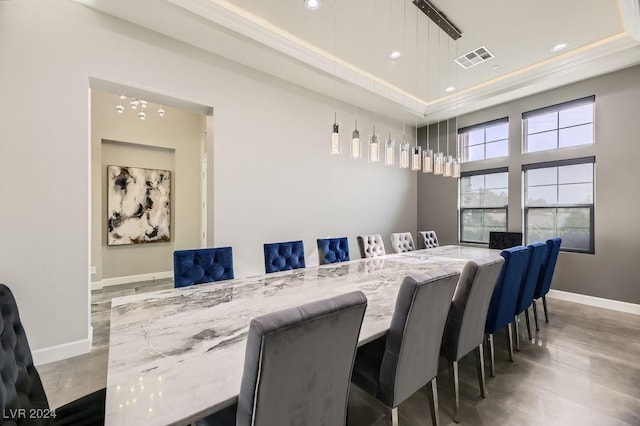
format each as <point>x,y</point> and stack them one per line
<point>439,18</point>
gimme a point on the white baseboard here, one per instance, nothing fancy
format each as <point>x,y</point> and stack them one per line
<point>615,305</point>
<point>106,282</point>
<point>59,352</point>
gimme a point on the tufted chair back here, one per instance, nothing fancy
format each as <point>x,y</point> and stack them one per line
<point>333,250</point>
<point>20,387</point>
<point>428,239</point>
<point>371,246</point>
<point>283,256</point>
<point>402,242</point>
<point>202,266</point>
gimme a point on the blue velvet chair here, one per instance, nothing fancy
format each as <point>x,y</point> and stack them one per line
<point>333,250</point>
<point>546,276</point>
<point>504,298</point>
<point>283,256</point>
<point>537,253</point>
<point>200,266</point>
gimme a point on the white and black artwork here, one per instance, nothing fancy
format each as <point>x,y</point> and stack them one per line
<point>139,205</point>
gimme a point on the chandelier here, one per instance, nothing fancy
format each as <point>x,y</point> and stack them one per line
<point>413,158</point>
<point>137,105</point>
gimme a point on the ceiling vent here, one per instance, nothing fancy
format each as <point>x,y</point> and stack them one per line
<point>475,57</point>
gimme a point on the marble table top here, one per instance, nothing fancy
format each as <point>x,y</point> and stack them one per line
<point>177,355</point>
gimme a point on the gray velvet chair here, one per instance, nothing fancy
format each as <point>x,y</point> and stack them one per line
<point>371,246</point>
<point>428,239</point>
<point>402,242</point>
<point>394,367</point>
<point>298,364</point>
<point>464,330</point>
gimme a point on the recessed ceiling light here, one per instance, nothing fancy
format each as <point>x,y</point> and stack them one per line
<point>450,89</point>
<point>312,4</point>
<point>395,54</point>
<point>495,67</point>
<point>558,47</point>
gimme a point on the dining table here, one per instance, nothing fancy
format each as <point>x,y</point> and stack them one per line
<point>177,355</point>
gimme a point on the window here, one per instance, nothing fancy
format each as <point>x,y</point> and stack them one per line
<point>486,140</point>
<point>483,204</point>
<point>559,203</point>
<point>559,126</point>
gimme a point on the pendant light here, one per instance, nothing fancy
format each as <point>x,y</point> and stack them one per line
<point>336,147</point>
<point>356,146</point>
<point>389,150</point>
<point>374,147</point>
<point>416,153</point>
<point>427,154</point>
<point>403,159</point>
<point>416,157</point>
<point>457,160</point>
<point>119,107</point>
<point>438,159</point>
<point>390,143</point>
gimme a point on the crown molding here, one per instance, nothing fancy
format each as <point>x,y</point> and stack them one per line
<point>544,71</point>
<point>630,10</point>
<point>238,20</point>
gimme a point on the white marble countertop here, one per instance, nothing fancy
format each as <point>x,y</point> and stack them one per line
<point>177,355</point>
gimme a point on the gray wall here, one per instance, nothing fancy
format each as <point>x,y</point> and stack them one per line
<point>272,176</point>
<point>174,142</point>
<point>611,272</point>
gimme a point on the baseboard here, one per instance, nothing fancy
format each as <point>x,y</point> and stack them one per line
<point>59,352</point>
<point>615,305</point>
<point>106,282</point>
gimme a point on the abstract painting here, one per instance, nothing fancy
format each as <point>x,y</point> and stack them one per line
<point>139,205</point>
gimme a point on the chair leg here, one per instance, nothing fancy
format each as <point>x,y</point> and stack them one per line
<point>492,357</point>
<point>515,324</point>
<point>453,371</point>
<point>509,332</point>
<point>535,315</point>
<point>480,367</point>
<point>526,316</point>
<point>544,305</point>
<point>394,416</point>
<point>432,390</point>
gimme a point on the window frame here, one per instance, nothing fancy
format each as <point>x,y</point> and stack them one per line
<point>484,126</point>
<point>560,163</point>
<point>461,209</point>
<point>557,108</point>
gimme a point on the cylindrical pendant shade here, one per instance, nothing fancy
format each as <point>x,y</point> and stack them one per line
<point>404,155</point>
<point>416,158</point>
<point>389,151</point>
<point>427,161</point>
<point>335,140</point>
<point>456,168</point>
<point>355,150</point>
<point>448,166</point>
<point>438,163</point>
<point>374,148</point>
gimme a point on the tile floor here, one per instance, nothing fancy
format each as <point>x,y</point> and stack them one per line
<point>582,368</point>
